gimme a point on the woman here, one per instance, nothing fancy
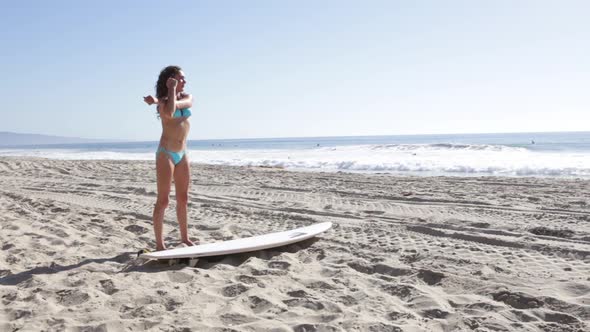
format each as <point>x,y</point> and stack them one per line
<point>171,160</point>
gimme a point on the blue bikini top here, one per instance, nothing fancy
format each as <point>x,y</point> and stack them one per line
<point>183,113</point>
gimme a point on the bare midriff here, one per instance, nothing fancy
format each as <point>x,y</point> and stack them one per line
<point>174,133</point>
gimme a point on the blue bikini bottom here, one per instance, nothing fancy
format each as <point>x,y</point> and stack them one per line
<point>175,156</point>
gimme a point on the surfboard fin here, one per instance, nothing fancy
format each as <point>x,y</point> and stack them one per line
<point>142,251</point>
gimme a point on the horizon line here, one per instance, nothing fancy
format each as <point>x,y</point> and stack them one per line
<point>108,140</point>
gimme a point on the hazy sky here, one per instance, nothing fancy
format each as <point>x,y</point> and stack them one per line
<point>297,68</point>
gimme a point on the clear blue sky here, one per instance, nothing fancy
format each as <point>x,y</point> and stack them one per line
<point>297,68</point>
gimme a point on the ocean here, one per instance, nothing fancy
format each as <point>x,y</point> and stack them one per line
<point>564,154</point>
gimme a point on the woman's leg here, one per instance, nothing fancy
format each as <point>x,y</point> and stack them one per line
<point>164,171</point>
<point>181,182</point>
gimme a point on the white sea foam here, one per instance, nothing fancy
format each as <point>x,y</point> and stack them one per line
<point>426,159</point>
<point>420,159</point>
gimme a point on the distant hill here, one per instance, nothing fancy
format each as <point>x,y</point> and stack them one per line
<point>16,139</point>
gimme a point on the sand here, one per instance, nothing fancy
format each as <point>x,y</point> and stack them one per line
<point>405,253</point>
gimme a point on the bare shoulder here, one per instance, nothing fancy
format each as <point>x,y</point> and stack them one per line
<point>184,95</point>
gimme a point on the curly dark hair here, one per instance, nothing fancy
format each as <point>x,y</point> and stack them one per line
<point>165,74</point>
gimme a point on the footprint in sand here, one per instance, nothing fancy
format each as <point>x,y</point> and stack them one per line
<point>348,300</point>
<point>59,209</point>
<point>380,327</point>
<point>560,318</point>
<point>434,313</point>
<point>179,277</point>
<point>236,319</point>
<point>524,317</point>
<point>108,287</point>
<point>321,285</point>
<point>56,323</point>
<point>94,328</point>
<point>315,328</point>
<point>274,272</point>
<point>430,277</point>
<point>11,259</point>
<point>298,293</point>
<point>379,268</point>
<point>234,290</point>
<point>71,297</point>
<point>247,279</point>
<point>404,292</point>
<point>279,265</point>
<point>305,303</point>
<point>7,246</point>
<point>258,304</point>
<point>399,316</point>
<point>19,313</point>
<point>517,300</point>
<point>136,229</point>
<point>172,305</point>
<point>9,298</point>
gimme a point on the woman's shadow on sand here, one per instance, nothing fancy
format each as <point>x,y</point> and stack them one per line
<point>10,279</point>
<point>133,264</point>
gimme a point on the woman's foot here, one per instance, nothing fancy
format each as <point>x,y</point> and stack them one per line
<point>190,243</point>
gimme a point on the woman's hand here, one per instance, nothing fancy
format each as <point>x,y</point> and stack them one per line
<point>150,100</point>
<point>171,83</point>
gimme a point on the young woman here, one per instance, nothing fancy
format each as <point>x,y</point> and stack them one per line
<point>171,160</point>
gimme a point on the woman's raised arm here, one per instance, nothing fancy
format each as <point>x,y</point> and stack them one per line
<point>185,101</point>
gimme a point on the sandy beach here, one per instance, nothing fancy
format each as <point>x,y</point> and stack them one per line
<point>405,253</point>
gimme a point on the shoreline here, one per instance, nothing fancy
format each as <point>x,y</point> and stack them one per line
<point>417,174</point>
<point>406,253</point>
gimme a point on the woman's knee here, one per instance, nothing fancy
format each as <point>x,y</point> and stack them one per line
<point>182,198</point>
<point>162,202</point>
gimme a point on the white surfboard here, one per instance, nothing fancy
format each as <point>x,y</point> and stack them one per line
<point>253,243</point>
